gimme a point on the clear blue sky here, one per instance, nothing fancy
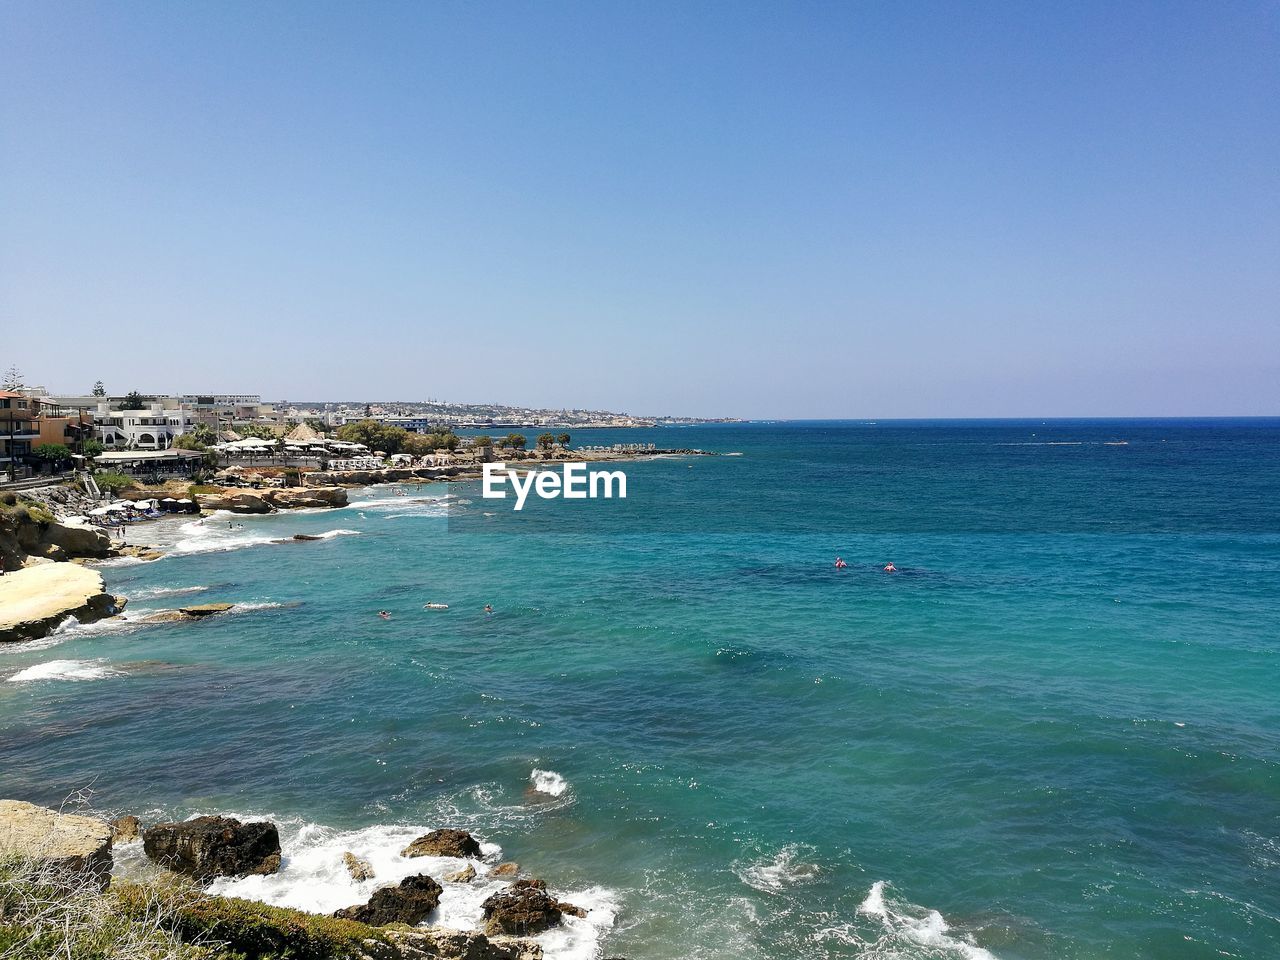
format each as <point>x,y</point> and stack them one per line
<point>763,210</point>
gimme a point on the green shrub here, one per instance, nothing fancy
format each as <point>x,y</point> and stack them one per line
<point>252,930</point>
<point>109,482</point>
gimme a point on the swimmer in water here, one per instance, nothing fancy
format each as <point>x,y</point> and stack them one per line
<point>890,568</point>
<point>840,564</point>
<point>384,614</point>
<point>488,608</point>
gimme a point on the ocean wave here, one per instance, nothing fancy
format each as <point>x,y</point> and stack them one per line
<point>154,592</point>
<point>313,877</point>
<point>907,928</point>
<point>214,538</point>
<point>548,782</point>
<point>774,874</point>
<point>65,670</point>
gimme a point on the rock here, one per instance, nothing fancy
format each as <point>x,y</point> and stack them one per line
<point>571,910</point>
<point>69,842</point>
<point>438,943</point>
<point>408,902</point>
<point>443,843</point>
<point>306,536</point>
<point>523,909</point>
<point>208,847</point>
<point>293,498</point>
<point>465,875</point>
<point>205,609</point>
<point>75,538</point>
<point>508,869</point>
<point>359,868</point>
<point>35,599</point>
<point>165,616</point>
<point>125,829</point>
<point>236,501</point>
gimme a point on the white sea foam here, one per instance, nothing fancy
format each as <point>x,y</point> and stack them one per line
<point>774,874</point>
<point>65,670</point>
<point>548,782</point>
<point>330,534</point>
<point>212,536</point>
<point>136,595</point>
<point>910,927</point>
<point>312,877</point>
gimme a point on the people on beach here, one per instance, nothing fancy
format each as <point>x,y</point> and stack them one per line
<point>890,568</point>
<point>840,564</point>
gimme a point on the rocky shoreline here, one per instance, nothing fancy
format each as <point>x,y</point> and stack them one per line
<point>392,924</point>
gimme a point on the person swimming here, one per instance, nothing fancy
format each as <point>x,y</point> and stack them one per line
<point>435,606</point>
<point>840,564</point>
<point>890,568</point>
<point>488,608</point>
<point>384,614</point>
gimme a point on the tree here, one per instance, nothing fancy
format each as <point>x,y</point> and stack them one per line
<point>482,441</point>
<point>514,440</point>
<point>133,401</point>
<point>546,441</point>
<point>563,439</point>
<point>99,390</point>
<point>259,430</point>
<point>13,379</point>
<point>52,453</point>
<point>316,424</point>
<point>374,435</point>
<point>200,438</point>
<point>91,448</point>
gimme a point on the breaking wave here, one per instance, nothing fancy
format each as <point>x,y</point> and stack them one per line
<point>906,929</point>
<point>65,670</point>
<point>313,877</point>
<point>548,782</point>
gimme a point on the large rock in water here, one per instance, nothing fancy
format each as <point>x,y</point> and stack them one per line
<point>523,909</point>
<point>237,501</point>
<point>69,842</point>
<point>291,498</point>
<point>409,902</point>
<point>209,847</point>
<point>443,843</point>
<point>36,599</point>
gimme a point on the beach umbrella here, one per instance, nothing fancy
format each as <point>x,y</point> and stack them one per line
<point>100,512</point>
<point>168,500</point>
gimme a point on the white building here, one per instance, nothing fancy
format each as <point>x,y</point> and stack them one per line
<point>155,427</point>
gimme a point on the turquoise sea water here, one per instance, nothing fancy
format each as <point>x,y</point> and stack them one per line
<point>1055,733</point>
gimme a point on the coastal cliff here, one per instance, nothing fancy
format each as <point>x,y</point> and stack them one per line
<point>28,530</point>
<point>39,597</point>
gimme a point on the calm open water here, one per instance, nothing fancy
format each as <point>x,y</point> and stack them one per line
<point>1054,734</point>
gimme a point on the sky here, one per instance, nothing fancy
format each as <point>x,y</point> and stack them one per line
<point>761,210</point>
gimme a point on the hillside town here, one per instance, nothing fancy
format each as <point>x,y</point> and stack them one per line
<point>162,434</point>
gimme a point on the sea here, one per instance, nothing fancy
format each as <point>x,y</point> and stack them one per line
<point>1053,731</point>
